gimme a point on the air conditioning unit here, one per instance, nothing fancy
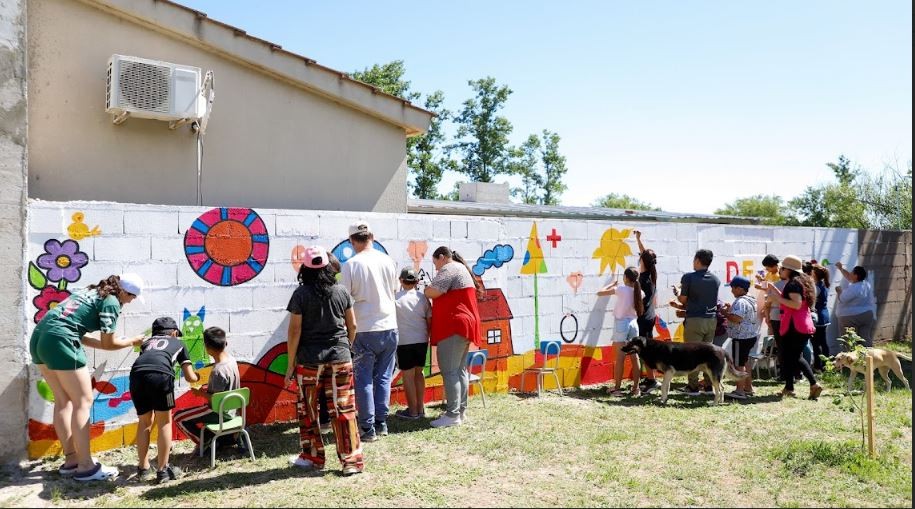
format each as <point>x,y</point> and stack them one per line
<point>144,88</point>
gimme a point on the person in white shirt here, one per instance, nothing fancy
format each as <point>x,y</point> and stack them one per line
<point>857,304</point>
<point>628,307</point>
<point>371,278</point>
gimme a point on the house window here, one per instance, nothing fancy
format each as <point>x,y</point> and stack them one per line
<point>494,336</point>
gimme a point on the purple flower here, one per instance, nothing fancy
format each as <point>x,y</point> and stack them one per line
<point>62,260</point>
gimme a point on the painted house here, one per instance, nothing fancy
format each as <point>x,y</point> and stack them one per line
<point>495,316</point>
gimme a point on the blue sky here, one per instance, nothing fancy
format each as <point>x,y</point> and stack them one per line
<point>687,105</point>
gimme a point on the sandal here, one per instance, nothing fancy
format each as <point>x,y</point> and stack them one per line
<point>617,393</point>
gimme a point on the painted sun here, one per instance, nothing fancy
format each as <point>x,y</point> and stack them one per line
<point>613,249</point>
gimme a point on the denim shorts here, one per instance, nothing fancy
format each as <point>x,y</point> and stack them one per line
<point>624,330</point>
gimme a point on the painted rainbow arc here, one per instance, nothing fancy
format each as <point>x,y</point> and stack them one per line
<point>227,246</point>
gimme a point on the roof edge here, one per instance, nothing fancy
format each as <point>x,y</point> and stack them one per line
<point>234,44</point>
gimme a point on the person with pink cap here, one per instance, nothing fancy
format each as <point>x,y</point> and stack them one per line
<point>56,347</point>
<point>322,326</point>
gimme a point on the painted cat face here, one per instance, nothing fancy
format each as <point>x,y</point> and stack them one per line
<point>192,327</point>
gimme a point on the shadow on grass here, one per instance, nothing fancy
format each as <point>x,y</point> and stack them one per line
<point>231,480</point>
<point>599,395</point>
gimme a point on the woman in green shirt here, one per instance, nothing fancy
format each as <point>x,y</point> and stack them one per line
<point>56,346</point>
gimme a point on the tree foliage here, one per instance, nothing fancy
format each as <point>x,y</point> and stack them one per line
<point>623,201</point>
<point>424,153</point>
<point>482,133</point>
<point>772,209</point>
<point>389,78</point>
<point>541,167</point>
<point>554,169</point>
<point>524,164</point>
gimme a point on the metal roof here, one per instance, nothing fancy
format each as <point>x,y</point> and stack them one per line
<point>466,208</point>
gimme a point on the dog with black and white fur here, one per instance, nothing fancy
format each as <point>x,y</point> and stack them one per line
<point>683,358</point>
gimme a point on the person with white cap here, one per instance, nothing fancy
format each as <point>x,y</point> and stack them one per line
<point>56,347</point>
<point>371,278</point>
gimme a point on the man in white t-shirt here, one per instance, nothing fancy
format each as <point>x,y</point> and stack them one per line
<point>371,278</point>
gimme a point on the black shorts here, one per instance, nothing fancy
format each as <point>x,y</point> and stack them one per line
<point>151,390</point>
<point>646,327</point>
<point>743,347</point>
<point>411,356</point>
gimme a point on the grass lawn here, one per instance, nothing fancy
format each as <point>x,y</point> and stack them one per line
<point>586,449</point>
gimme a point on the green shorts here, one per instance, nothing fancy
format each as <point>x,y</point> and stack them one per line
<point>56,352</point>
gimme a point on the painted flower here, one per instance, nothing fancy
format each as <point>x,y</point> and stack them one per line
<point>47,300</point>
<point>613,249</point>
<point>62,260</point>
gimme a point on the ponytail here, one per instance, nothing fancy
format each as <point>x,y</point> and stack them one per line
<point>476,281</point>
<point>108,286</point>
<point>631,274</point>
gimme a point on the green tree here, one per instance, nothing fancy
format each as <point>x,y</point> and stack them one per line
<point>554,169</point>
<point>389,78</point>
<point>833,205</point>
<point>623,201</point>
<point>772,209</point>
<point>888,198</point>
<point>525,163</point>
<point>424,153</point>
<point>483,133</point>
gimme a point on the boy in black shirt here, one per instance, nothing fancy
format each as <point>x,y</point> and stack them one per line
<point>152,389</point>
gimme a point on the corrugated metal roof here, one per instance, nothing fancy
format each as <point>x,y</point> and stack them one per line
<point>466,208</point>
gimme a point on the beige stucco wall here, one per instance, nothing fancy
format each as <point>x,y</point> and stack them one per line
<point>269,143</point>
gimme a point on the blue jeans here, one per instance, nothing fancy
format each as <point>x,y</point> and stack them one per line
<point>373,363</point>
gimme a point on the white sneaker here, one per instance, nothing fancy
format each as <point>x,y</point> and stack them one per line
<point>99,473</point>
<point>463,417</point>
<point>300,462</point>
<point>445,421</point>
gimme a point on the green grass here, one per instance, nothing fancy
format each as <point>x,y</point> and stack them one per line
<point>586,449</point>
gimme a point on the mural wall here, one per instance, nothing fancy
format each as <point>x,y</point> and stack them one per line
<point>236,268</point>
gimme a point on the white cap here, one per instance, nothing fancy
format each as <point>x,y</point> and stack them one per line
<point>132,283</point>
<point>359,227</point>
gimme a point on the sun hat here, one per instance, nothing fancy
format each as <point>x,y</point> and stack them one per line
<point>794,263</point>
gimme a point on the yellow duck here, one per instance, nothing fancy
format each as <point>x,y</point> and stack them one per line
<point>78,230</point>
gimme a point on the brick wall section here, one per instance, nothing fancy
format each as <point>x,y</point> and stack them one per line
<point>13,163</point>
<point>888,255</point>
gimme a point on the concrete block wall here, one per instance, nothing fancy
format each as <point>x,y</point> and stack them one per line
<point>887,255</point>
<point>13,192</point>
<point>149,240</point>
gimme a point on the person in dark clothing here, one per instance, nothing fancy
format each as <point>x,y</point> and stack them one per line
<point>648,280</point>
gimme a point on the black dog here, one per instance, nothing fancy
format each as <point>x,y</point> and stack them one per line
<point>684,358</point>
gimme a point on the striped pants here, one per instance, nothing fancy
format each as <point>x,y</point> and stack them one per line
<point>336,382</point>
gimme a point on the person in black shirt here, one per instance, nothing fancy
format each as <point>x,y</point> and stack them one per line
<point>648,280</point>
<point>152,389</point>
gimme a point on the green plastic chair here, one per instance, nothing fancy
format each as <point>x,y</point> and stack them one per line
<point>220,403</point>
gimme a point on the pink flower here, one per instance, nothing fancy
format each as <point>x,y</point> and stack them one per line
<point>47,300</point>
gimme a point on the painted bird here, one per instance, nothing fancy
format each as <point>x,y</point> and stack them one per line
<point>78,230</point>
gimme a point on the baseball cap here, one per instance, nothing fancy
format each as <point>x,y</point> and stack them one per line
<point>741,282</point>
<point>315,257</point>
<point>359,227</point>
<point>408,275</point>
<point>164,324</point>
<point>131,283</point>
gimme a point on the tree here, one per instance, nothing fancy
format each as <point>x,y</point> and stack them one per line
<point>483,134</point>
<point>623,201</point>
<point>554,169</point>
<point>888,198</point>
<point>524,163</point>
<point>833,205</point>
<point>772,209</point>
<point>424,157</point>
<point>389,78</point>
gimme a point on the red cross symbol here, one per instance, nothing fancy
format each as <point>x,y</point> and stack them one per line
<point>553,238</point>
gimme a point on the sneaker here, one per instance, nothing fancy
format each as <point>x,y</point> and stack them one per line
<point>405,414</point>
<point>144,474</point>
<point>351,470</point>
<point>736,394</point>
<point>169,473</point>
<point>304,463</point>
<point>381,429</point>
<point>649,385</point>
<point>445,421</point>
<point>66,471</point>
<point>815,391</point>
<point>463,416</point>
<point>368,435</point>
<point>99,473</point>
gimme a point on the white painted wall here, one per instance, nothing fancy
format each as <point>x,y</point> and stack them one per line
<point>148,239</point>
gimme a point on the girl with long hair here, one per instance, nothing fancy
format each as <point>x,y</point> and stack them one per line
<point>820,346</point>
<point>626,310</point>
<point>322,325</point>
<point>648,280</point>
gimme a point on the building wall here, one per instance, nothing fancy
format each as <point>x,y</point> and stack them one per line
<point>888,254</point>
<point>163,244</point>
<point>268,142</point>
<point>13,164</point>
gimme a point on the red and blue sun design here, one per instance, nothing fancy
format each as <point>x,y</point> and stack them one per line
<point>227,246</point>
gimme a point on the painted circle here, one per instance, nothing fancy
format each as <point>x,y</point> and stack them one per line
<point>63,261</point>
<point>227,246</point>
<point>344,250</point>
<point>228,243</point>
<point>568,333</point>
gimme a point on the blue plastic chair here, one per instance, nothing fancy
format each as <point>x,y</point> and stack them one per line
<point>547,348</point>
<point>477,358</point>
